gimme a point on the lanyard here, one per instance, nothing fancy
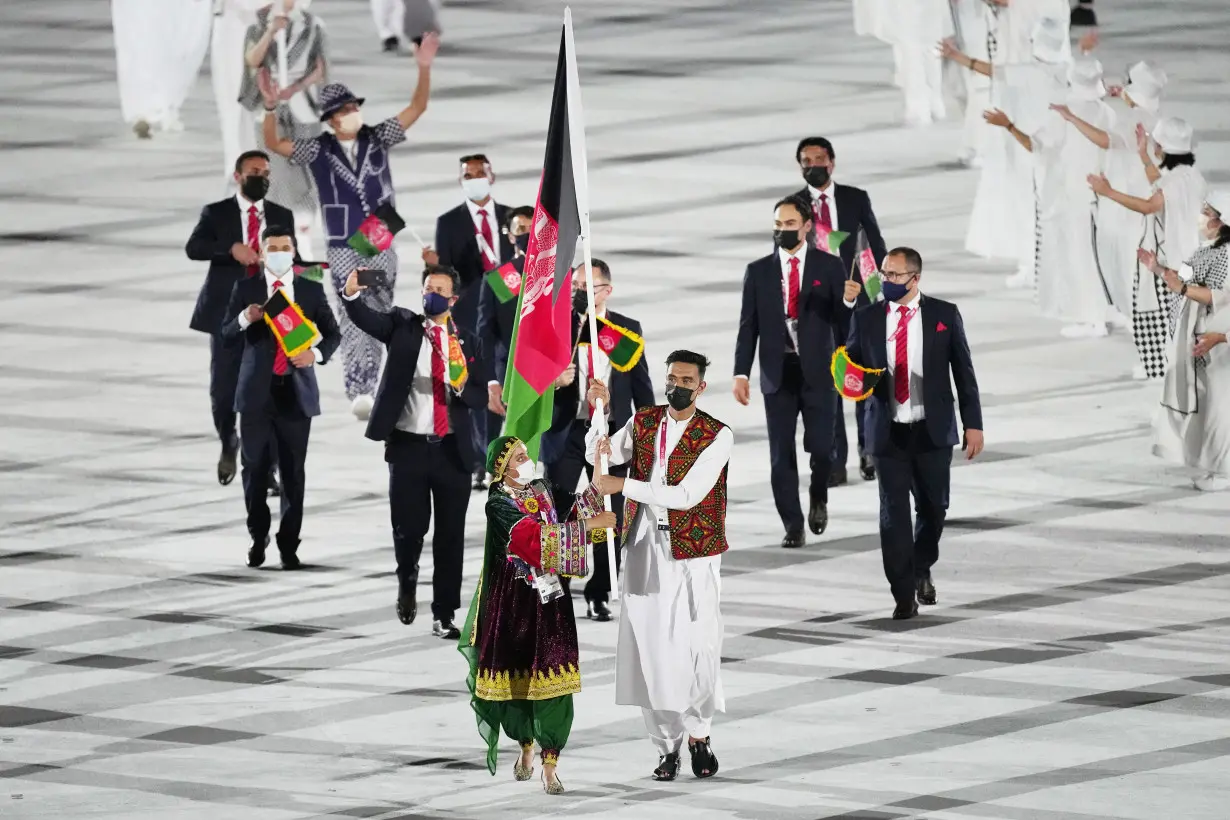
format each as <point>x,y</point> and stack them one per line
<point>662,449</point>
<point>904,323</point>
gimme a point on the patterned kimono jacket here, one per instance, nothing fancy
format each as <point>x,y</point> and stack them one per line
<point>520,647</point>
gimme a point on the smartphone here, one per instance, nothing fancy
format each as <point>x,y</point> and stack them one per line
<point>369,277</point>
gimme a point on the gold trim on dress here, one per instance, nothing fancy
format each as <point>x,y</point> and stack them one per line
<point>526,685</point>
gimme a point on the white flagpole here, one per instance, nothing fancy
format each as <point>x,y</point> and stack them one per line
<point>576,136</point>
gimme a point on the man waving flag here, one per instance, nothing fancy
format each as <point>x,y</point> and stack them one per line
<point>542,336</point>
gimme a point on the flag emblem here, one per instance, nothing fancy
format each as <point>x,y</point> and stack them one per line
<point>853,381</point>
<point>375,234</point>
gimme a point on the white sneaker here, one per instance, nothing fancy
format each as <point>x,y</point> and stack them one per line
<point>362,407</point>
<point>1019,281</point>
<point>1212,483</point>
<point>1089,331</point>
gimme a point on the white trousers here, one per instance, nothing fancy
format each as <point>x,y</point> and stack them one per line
<point>390,18</point>
<point>669,730</point>
<point>159,48</point>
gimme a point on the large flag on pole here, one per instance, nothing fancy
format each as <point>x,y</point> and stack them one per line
<point>542,335</point>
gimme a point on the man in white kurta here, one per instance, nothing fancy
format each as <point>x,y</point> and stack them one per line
<point>226,67</point>
<point>159,48</point>
<point>670,631</point>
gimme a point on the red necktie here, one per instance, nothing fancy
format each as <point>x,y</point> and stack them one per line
<point>254,236</point>
<point>823,215</point>
<point>901,371</point>
<point>792,290</point>
<point>487,260</point>
<point>280,363</point>
<point>439,401</point>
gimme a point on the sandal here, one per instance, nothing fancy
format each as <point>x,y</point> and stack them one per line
<point>668,768</point>
<point>704,761</point>
<point>523,773</point>
<point>556,786</point>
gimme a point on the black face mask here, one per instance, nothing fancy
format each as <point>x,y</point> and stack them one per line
<point>522,242</point>
<point>580,301</point>
<point>254,188</point>
<point>679,398</point>
<point>786,239</point>
<point>817,176</point>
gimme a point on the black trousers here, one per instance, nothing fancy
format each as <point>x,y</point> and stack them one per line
<point>912,465</point>
<point>782,411</point>
<point>224,360</point>
<point>425,475</point>
<point>841,442</point>
<point>563,475</point>
<point>282,424</point>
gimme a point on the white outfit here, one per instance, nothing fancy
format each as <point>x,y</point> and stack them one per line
<point>972,26</point>
<point>1069,286</point>
<point>1120,229</point>
<point>226,68</point>
<point>919,26</point>
<point>670,631</point>
<point>159,48</point>
<point>1192,426</point>
<point>389,16</point>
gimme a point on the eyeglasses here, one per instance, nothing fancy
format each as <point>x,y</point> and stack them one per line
<point>898,276</point>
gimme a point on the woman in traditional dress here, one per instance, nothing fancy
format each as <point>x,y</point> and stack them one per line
<point>1193,425</point>
<point>1119,229</point>
<point>1171,233</point>
<point>298,110</point>
<point>520,638</point>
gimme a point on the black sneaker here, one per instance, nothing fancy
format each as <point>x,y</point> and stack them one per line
<point>446,630</point>
<point>389,44</point>
<point>598,611</point>
<point>256,553</point>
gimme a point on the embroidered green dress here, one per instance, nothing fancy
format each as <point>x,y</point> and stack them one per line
<point>522,650</point>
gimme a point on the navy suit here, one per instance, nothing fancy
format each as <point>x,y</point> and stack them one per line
<point>853,212</point>
<point>563,446</point>
<point>424,471</point>
<point>794,383</point>
<point>220,227</point>
<point>276,408</point>
<point>916,458</point>
<point>495,329</point>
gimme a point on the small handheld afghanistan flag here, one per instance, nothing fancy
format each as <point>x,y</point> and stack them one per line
<point>457,370</point>
<point>375,234</point>
<point>312,271</point>
<point>852,381</point>
<point>867,269</point>
<point>830,241</point>
<point>505,282</point>
<point>290,327</point>
<point>622,347</point>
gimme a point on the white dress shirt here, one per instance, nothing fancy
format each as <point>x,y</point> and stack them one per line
<point>244,205</point>
<point>489,210</point>
<point>913,409</point>
<point>602,367</point>
<point>784,257</point>
<point>831,200</point>
<point>288,288</point>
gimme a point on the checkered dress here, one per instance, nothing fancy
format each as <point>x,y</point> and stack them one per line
<point>361,354</point>
<point>1151,328</point>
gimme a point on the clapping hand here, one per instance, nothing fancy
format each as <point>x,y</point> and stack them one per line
<point>1142,138</point>
<point>1149,260</point>
<point>270,92</point>
<point>1062,110</point>
<point>948,49</point>
<point>1206,342</point>
<point>997,118</point>
<point>1099,184</point>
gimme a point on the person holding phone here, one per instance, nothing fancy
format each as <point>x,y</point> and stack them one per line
<point>435,377</point>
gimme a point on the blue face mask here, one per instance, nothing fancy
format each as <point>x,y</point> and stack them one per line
<point>894,290</point>
<point>434,304</point>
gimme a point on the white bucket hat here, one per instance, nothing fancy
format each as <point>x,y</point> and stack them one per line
<point>1049,41</point>
<point>1145,84</point>
<point>1173,135</point>
<point>1085,78</point>
<point>1219,200</point>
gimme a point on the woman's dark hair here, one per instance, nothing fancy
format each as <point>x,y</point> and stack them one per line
<point>1223,236</point>
<point>1172,161</point>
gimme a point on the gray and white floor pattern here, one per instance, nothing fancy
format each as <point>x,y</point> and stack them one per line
<point>1075,669</point>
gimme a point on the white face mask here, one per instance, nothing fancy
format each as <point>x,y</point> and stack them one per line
<point>476,189</point>
<point>352,122</point>
<point>524,474</point>
<point>279,262</point>
<point>1205,225</point>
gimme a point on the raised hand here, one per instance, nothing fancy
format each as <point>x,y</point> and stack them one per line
<point>425,53</point>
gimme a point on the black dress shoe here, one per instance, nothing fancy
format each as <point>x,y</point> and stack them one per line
<point>905,611</point>
<point>704,761</point>
<point>926,592</point>
<point>793,540</point>
<point>446,630</point>
<point>818,516</point>
<point>256,552</point>
<point>867,468</point>
<point>275,487</point>
<point>407,607</point>
<point>290,556</point>
<point>389,44</point>
<point>838,476</point>
<point>598,611</point>
<point>480,480</point>
<point>668,767</point>
<point>227,466</point>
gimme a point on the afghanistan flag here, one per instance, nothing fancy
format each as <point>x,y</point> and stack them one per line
<point>852,381</point>
<point>542,336</point>
<point>312,271</point>
<point>622,347</point>
<point>868,271</point>
<point>505,282</point>
<point>830,241</point>
<point>457,369</point>
<point>291,328</point>
<point>375,234</point>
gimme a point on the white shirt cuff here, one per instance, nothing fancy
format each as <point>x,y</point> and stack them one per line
<point>316,352</point>
<point>357,294</point>
<point>244,324</point>
<point>742,377</point>
<point>848,304</point>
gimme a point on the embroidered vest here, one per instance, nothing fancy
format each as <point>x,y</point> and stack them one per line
<point>701,531</point>
<point>347,196</point>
